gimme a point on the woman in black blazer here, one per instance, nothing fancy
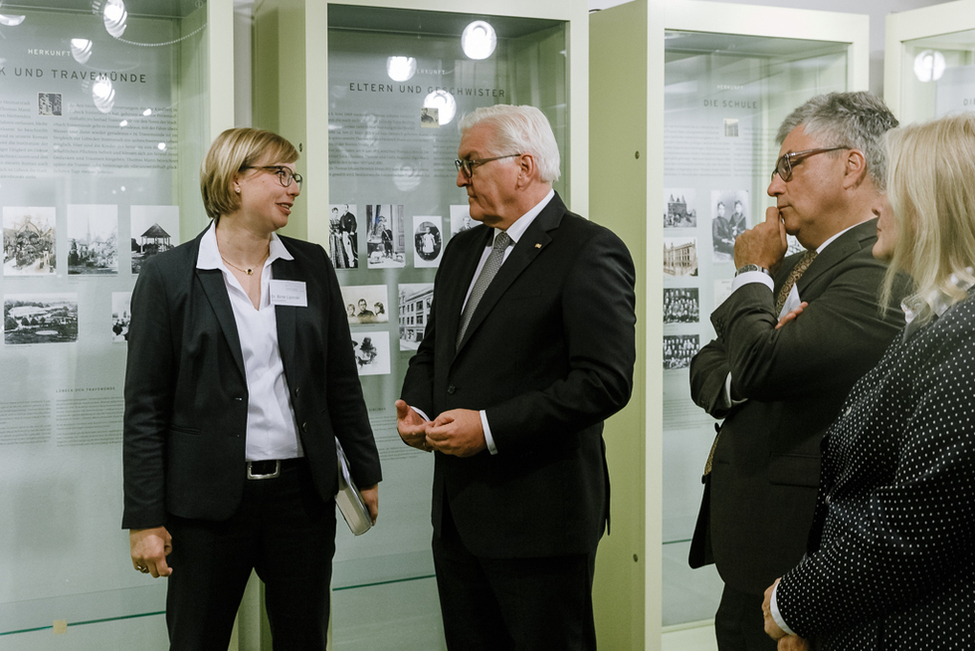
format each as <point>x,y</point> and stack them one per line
<point>240,376</point>
<point>891,561</point>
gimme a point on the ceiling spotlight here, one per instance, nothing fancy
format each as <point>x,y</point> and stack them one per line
<point>929,65</point>
<point>400,68</point>
<point>479,40</point>
<point>115,16</point>
<point>445,104</point>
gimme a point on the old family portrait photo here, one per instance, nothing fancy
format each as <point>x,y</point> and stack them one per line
<point>380,235</point>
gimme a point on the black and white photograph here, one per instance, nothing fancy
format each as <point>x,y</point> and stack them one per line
<point>40,318</point>
<point>371,349</point>
<point>415,300</point>
<point>680,256</point>
<point>154,229</point>
<point>680,208</point>
<point>731,127</point>
<point>49,104</point>
<point>460,219</point>
<point>430,117</point>
<point>92,239</point>
<point>344,236</point>
<point>728,221</point>
<point>427,241</point>
<point>29,241</point>
<point>682,305</point>
<point>366,304</point>
<point>679,349</point>
<point>387,238</point>
<point>121,316</point>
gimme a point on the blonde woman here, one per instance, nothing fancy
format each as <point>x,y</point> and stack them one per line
<point>891,563</point>
<point>240,376</point>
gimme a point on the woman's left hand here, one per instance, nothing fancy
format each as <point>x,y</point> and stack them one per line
<point>371,497</point>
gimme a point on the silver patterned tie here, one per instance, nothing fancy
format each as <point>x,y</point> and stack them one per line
<point>488,272</point>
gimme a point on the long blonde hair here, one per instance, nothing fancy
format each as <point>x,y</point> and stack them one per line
<point>931,189</point>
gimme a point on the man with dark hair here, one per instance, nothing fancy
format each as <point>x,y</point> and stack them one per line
<point>779,384</point>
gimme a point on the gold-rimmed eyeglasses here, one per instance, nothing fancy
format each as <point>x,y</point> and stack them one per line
<point>285,175</point>
<point>467,165</point>
<point>783,166</point>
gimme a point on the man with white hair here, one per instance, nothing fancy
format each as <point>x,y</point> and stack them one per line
<point>528,348</point>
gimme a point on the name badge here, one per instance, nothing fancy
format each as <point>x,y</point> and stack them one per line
<point>289,292</point>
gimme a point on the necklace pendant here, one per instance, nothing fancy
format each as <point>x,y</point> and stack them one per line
<point>249,272</point>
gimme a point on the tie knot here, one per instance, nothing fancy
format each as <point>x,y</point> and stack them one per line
<point>502,241</point>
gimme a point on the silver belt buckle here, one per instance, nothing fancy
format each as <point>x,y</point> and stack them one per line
<point>270,475</point>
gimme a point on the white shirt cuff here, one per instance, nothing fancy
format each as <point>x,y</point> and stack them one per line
<point>776,615</point>
<point>752,277</point>
<point>488,439</point>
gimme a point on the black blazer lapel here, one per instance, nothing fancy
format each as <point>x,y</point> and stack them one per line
<point>843,247</point>
<point>531,243</point>
<point>453,296</point>
<point>216,292</point>
<point>286,315</point>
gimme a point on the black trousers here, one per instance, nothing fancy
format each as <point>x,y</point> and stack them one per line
<point>739,624</point>
<point>284,531</point>
<point>513,604</point>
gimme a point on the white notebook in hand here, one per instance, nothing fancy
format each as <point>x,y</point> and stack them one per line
<point>349,499</point>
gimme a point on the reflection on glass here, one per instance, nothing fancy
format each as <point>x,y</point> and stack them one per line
<point>479,40</point>
<point>445,104</point>
<point>115,16</point>
<point>400,68</point>
<point>11,21</point>
<point>929,65</point>
<point>103,94</point>
<point>81,49</point>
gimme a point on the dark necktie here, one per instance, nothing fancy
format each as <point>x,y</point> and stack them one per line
<point>488,272</point>
<point>794,275</point>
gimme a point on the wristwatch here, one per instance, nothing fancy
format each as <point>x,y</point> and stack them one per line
<point>753,267</point>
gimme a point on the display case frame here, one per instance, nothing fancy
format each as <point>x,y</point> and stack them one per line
<point>627,129</point>
<point>950,25</point>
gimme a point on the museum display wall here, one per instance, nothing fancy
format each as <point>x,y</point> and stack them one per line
<point>104,117</point>
<point>696,165</point>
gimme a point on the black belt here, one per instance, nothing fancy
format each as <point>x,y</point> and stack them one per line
<point>269,468</point>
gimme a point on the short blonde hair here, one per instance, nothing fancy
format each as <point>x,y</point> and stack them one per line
<point>931,189</point>
<point>232,151</point>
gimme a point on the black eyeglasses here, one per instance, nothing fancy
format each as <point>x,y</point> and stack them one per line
<point>285,175</point>
<point>468,164</point>
<point>783,166</point>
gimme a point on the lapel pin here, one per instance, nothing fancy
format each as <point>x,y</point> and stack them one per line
<point>537,245</point>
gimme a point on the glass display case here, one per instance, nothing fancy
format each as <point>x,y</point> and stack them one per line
<point>929,64</point>
<point>689,145</point>
<point>375,92</point>
<point>104,118</point>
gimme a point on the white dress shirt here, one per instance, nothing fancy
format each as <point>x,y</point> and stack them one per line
<point>271,429</point>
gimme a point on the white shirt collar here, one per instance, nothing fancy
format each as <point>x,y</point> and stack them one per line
<point>209,254</point>
<point>827,242</point>
<point>516,230</point>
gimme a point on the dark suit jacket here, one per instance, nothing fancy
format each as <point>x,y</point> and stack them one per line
<point>766,465</point>
<point>549,355</point>
<point>891,561</point>
<point>186,395</point>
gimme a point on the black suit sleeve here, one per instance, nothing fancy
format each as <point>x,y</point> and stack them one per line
<point>834,342</point>
<point>598,304</point>
<point>149,387</point>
